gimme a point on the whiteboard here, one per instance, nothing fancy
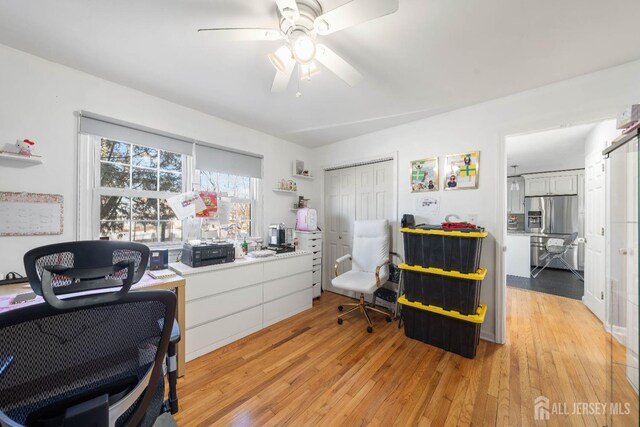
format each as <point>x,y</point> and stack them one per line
<point>30,214</point>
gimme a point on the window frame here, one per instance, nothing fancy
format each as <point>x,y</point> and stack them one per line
<point>89,192</point>
<point>255,192</point>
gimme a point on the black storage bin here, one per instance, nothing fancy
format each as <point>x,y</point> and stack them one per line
<point>451,250</point>
<point>447,289</point>
<point>448,330</point>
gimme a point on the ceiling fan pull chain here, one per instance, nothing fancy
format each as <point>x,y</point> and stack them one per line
<point>298,93</point>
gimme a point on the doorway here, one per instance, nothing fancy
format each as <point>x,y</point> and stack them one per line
<point>555,212</point>
<point>355,192</point>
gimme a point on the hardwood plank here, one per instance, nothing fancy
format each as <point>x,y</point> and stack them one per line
<point>308,370</point>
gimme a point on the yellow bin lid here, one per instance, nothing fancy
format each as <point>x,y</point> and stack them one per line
<point>473,318</point>
<point>450,233</point>
<point>478,275</point>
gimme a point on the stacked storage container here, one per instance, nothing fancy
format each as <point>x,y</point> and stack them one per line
<point>442,280</point>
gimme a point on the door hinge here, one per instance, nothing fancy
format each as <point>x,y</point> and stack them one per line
<point>602,231</point>
<point>603,167</point>
<point>602,295</point>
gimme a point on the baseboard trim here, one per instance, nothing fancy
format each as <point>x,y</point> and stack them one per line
<point>488,336</point>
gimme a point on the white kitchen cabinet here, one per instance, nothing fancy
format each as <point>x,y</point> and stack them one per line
<point>552,184</point>
<point>536,187</point>
<point>563,185</point>
<point>226,302</point>
<point>515,196</point>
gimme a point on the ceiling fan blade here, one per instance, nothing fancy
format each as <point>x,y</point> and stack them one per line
<point>281,80</point>
<point>244,34</point>
<point>288,9</point>
<point>337,65</point>
<point>353,13</point>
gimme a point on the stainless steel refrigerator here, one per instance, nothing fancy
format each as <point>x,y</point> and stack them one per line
<point>554,216</point>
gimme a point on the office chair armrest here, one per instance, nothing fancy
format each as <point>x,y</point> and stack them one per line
<point>343,258</point>
<point>385,262</point>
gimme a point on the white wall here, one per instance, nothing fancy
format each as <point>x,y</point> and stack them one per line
<point>38,100</point>
<point>601,135</point>
<point>483,127</point>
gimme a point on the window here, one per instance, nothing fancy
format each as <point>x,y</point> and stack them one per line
<point>132,185</point>
<point>236,203</point>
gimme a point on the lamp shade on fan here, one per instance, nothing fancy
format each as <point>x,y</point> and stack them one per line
<point>307,219</point>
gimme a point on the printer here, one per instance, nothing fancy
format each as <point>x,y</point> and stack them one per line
<point>207,254</point>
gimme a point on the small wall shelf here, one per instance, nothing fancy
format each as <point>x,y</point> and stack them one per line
<point>307,177</point>
<point>18,160</point>
<point>277,190</point>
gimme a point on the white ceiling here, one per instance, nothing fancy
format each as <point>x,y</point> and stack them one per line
<point>552,150</point>
<point>429,57</point>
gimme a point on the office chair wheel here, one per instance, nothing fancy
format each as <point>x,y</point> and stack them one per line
<point>369,329</point>
<point>340,308</point>
<point>388,319</point>
<point>339,321</point>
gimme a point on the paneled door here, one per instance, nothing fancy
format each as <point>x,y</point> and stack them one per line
<point>340,212</point>
<point>594,262</point>
<point>355,193</point>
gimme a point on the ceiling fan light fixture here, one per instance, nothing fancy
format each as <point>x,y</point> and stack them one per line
<point>303,47</point>
<point>280,57</point>
<point>308,70</point>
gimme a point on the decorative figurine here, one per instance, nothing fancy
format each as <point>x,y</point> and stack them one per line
<point>25,147</point>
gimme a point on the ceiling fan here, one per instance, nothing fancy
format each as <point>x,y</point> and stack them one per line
<point>300,24</point>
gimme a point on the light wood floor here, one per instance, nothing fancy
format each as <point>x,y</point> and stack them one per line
<point>308,371</point>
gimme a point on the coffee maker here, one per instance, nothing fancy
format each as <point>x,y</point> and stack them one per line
<point>277,235</point>
<point>280,238</point>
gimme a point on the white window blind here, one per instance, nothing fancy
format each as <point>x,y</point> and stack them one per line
<point>220,159</point>
<point>106,127</point>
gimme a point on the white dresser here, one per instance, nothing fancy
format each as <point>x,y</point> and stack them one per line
<point>226,302</point>
<point>312,241</point>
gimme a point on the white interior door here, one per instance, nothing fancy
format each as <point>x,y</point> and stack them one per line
<point>594,263</point>
<point>355,193</point>
<point>340,212</point>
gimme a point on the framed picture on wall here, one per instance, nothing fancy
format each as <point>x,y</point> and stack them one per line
<point>462,171</point>
<point>424,175</point>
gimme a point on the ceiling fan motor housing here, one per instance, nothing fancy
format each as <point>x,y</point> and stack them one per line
<point>309,11</point>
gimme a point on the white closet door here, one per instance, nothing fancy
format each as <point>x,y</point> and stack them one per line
<point>365,194</point>
<point>340,212</point>
<point>356,193</point>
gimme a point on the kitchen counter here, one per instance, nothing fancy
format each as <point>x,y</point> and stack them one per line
<point>185,271</point>
<point>519,254</point>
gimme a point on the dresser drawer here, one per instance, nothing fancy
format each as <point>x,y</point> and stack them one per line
<point>286,267</point>
<point>314,246</point>
<point>317,275</point>
<point>282,308</point>
<point>205,338</point>
<point>287,285</point>
<point>206,309</point>
<point>215,282</point>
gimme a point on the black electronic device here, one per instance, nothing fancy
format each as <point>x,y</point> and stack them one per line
<point>281,249</point>
<point>407,221</point>
<point>208,254</point>
<point>159,259</point>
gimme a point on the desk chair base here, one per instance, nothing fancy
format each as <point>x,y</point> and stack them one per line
<point>363,306</point>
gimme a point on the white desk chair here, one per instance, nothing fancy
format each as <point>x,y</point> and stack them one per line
<point>370,266</point>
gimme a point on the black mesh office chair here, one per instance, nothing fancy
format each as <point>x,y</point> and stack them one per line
<point>93,359</point>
